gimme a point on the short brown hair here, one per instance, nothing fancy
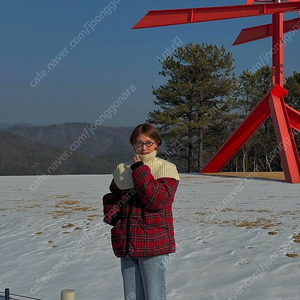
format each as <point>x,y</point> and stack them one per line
<point>148,130</point>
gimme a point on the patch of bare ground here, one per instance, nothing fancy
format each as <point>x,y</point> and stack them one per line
<point>62,196</point>
<point>67,207</point>
<point>264,223</point>
<point>272,232</point>
<point>226,209</point>
<point>259,222</point>
<point>294,254</point>
<point>59,213</point>
<point>33,206</point>
<point>290,213</point>
<point>91,217</point>
<point>296,238</point>
<point>201,213</point>
<point>66,203</point>
<point>67,225</point>
<point>258,210</point>
<point>85,208</point>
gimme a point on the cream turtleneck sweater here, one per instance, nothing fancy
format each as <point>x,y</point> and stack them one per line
<point>159,168</point>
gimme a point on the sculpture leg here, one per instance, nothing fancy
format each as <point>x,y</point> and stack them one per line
<point>284,118</point>
<point>285,139</point>
<point>239,137</point>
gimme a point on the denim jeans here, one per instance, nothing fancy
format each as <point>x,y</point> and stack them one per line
<point>144,278</point>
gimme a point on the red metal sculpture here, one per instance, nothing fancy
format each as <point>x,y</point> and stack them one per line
<point>284,117</point>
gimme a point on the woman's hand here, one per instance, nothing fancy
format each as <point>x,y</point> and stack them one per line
<point>136,158</point>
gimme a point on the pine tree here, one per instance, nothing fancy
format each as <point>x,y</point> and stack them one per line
<point>200,81</point>
<point>292,84</point>
<point>255,153</point>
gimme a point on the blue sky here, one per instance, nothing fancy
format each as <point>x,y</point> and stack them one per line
<point>84,75</point>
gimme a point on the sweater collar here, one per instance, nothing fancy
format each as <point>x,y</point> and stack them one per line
<point>148,158</point>
<point>159,168</point>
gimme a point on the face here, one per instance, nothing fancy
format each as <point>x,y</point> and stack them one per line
<point>142,150</point>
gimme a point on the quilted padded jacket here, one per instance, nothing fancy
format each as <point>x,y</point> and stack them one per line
<point>141,217</point>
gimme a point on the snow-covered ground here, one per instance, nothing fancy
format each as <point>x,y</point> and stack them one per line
<point>233,236</point>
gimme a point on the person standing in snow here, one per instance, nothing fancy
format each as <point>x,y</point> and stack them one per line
<point>139,207</point>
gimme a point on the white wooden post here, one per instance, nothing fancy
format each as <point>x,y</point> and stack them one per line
<point>67,295</point>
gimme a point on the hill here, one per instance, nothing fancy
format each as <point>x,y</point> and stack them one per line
<point>21,156</point>
<point>85,138</point>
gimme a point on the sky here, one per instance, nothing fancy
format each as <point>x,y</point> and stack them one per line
<point>75,61</point>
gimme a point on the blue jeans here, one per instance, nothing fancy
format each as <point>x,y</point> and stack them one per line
<point>144,278</point>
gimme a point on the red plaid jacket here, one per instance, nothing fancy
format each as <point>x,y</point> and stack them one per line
<point>141,216</point>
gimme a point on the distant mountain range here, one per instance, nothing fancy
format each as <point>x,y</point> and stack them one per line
<point>71,148</point>
<point>4,125</point>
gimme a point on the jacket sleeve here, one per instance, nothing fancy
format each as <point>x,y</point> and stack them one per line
<point>154,194</point>
<point>112,211</point>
